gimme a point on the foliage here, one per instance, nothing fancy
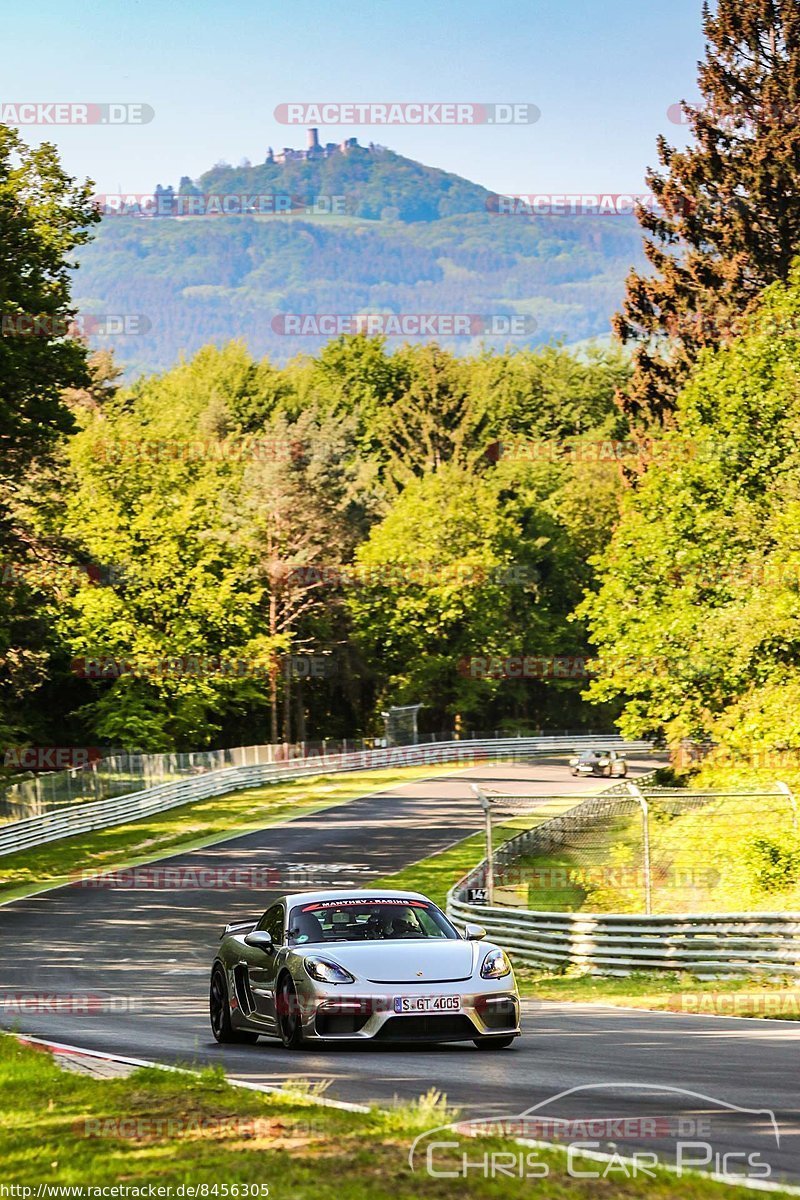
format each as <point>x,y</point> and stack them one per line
<point>44,217</point>
<point>344,507</point>
<point>729,219</point>
<point>210,279</point>
<point>695,618</point>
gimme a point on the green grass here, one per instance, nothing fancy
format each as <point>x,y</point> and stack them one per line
<point>435,876</point>
<point>191,826</point>
<point>655,990</point>
<point>165,1129</point>
<point>731,853</point>
<point>668,992</point>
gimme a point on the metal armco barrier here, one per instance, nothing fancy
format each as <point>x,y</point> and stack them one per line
<point>101,814</point>
<point>704,944</point>
<point>607,944</point>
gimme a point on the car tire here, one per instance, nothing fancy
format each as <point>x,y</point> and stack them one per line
<point>220,1012</point>
<point>290,1025</point>
<point>574,773</point>
<point>493,1043</point>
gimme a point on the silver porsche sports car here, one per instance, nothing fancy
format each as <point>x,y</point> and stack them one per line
<point>382,966</point>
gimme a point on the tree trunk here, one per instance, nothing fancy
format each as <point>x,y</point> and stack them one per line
<point>287,700</point>
<point>273,676</point>
<point>273,706</point>
<point>300,712</point>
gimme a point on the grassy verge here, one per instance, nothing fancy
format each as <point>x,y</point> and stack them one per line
<point>161,1129</point>
<point>190,827</point>
<point>733,852</point>
<point>667,992</point>
<point>738,851</point>
<point>436,875</point>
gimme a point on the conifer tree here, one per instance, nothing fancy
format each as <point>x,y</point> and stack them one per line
<point>727,218</point>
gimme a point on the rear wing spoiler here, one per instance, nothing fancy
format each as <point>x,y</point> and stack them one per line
<point>239,927</point>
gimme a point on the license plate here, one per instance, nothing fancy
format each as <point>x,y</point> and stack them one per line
<point>414,1004</point>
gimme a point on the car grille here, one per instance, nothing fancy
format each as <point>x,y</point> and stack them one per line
<point>340,1024</point>
<point>502,1015</point>
<point>451,1028</point>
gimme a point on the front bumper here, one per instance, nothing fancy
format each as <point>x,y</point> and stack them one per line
<point>367,1013</point>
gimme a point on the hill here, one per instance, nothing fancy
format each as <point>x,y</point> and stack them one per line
<point>404,238</point>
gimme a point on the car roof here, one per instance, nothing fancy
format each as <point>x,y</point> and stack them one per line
<point>364,894</point>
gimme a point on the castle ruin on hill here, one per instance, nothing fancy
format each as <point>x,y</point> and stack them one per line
<point>314,149</point>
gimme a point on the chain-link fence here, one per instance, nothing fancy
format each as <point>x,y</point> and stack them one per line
<point>29,795</point>
<point>117,775</point>
<point>642,849</point>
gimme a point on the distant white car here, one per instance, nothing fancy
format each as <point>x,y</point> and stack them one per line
<point>379,966</point>
<point>606,763</point>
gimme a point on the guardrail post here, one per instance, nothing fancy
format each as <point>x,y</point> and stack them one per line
<point>648,890</point>
<point>789,794</point>
<point>487,810</point>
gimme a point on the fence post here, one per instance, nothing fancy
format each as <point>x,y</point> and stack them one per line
<point>789,794</point>
<point>648,892</point>
<point>487,809</point>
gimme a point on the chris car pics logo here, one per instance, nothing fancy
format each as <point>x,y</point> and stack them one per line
<point>652,1126</point>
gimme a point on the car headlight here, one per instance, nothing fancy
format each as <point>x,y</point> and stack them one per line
<point>495,965</point>
<point>325,971</point>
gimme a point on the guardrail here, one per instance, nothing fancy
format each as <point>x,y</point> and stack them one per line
<point>705,944</point>
<point>101,814</point>
<point>29,794</point>
<point>608,944</point>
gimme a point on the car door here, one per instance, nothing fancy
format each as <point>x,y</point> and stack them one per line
<point>262,968</point>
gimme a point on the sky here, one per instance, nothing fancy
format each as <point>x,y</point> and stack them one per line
<point>214,71</point>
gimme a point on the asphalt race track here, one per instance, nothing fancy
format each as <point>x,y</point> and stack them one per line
<point>138,959</point>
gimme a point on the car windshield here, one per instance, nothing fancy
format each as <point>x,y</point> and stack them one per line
<point>355,920</point>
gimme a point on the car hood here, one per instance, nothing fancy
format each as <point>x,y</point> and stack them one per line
<point>439,961</point>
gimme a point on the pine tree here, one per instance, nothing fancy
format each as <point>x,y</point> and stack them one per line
<point>727,218</point>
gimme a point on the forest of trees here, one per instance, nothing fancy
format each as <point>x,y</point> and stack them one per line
<point>199,280</point>
<point>231,552</point>
<point>236,551</point>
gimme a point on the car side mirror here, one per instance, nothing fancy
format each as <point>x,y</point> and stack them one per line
<point>473,933</point>
<point>259,939</point>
